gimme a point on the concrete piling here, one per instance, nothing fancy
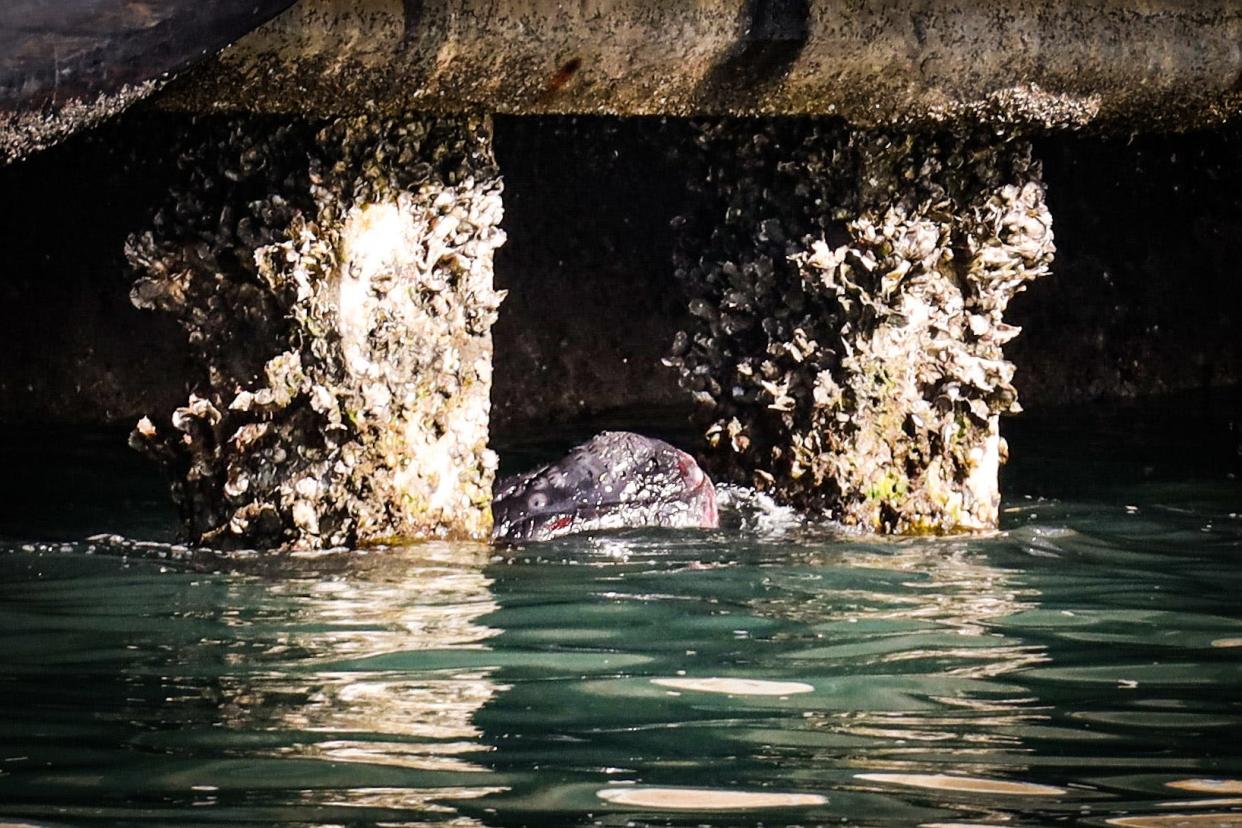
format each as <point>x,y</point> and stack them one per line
<point>849,289</point>
<point>336,287</point>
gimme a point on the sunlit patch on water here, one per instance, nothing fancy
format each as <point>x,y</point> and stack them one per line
<point>707,799</point>
<point>962,784</point>
<point>736,686</point>
<point>1212,786</point>
<point>1222,819</point>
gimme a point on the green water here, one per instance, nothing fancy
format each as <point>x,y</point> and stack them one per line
<point>1083,666</point>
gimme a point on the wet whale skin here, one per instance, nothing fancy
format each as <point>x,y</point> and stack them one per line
<point>618,479</point>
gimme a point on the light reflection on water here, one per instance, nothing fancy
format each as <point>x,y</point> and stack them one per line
<point>431,600</point>
<point>1076,667</point>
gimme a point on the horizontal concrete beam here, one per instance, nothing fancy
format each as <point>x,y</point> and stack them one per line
<point>1134,64</point>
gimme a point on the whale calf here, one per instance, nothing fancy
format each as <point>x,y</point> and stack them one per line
<point>615,480</point>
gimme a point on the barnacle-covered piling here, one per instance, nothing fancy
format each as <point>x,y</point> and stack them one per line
<point>849,288</point>
<point>335,284</point>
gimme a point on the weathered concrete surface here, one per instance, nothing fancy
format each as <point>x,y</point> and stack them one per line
<point>335,287</point>
<point>69,64</point>
<point>1148,63</point>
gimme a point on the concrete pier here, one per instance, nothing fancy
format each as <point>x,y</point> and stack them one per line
<point>866,204</point>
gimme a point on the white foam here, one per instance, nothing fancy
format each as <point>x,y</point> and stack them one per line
<point>756,511</point>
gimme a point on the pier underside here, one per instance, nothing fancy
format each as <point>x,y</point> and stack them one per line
<point>812,250</point>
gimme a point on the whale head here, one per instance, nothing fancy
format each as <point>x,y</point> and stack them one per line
<point>617,479</point>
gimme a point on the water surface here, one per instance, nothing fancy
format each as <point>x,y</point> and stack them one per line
<point>1083,666</point>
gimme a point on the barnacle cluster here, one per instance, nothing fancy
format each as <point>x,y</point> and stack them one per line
<point>335,284</point>
<point>849,288</point>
